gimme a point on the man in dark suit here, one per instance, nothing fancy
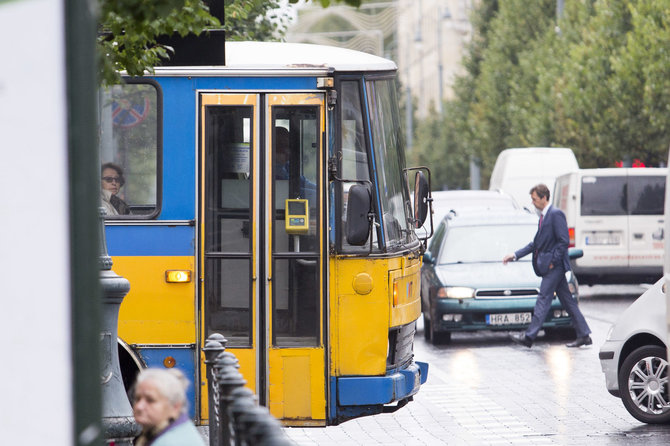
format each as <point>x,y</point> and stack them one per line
<point>550,261</point>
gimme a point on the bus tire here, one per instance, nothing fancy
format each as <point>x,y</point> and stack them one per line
<point>130,365</point>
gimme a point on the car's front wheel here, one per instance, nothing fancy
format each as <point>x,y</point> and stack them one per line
<point>426,328</point>
<point>643,380</point>
<point>439,337</point>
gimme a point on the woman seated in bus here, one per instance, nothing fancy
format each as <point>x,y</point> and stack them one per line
<point>159,406</point>
<point>112,181</point>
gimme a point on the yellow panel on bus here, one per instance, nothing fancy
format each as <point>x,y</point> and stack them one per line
<point>358,317</point>
<point>370,297</point>
<point>296,384</point>
<point>405,287</point>
<point>155,311</point>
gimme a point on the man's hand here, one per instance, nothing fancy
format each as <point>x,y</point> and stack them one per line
<point>508,258</point>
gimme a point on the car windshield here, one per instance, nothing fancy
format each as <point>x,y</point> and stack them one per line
<point>485,243</point>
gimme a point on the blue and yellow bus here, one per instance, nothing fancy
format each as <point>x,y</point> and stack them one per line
<point>267,199</point>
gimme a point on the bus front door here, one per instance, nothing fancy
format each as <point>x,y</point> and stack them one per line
<point>262,242</point>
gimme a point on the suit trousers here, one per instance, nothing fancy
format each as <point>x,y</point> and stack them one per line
<point>555,280</point>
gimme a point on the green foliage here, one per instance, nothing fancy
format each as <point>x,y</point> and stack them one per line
<point>258,20</point>
<point>599,84</point>
<point>129,28</point>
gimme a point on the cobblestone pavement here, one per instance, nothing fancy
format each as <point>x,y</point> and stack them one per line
<point>484,390</point>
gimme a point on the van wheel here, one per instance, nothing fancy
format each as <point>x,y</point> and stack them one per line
<point>643,380</point>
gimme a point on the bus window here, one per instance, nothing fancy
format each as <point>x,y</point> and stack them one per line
<point>295,258</point>
<point>228,237</point>
<point>130,148</point>
<point>354,154</point>
<point>389,159</point>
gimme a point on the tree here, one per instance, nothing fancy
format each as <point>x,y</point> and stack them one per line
<point>599,83</point>
<point>129,29</point>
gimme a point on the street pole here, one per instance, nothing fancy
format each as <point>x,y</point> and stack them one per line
<point>117,414</point>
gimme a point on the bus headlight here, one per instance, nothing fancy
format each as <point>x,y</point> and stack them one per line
<point>456,292</point>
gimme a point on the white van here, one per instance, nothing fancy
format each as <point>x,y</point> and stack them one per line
<point>616,217</point>
<point>517,170</point>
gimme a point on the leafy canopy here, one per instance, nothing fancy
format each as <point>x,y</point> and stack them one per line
<point>597,81</point>
<point>128,29</point>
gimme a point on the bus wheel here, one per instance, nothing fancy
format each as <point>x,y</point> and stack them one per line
<point>130,366</point>
<point>643,380</point>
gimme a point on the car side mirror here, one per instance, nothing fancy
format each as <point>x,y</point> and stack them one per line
<point>428,258</point>
<point>421,190</point>
<point>358,210</point>
<point>575,253</point>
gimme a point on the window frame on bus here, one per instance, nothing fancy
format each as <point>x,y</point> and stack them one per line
<point>343,248</point>
<point>159,152</point>
<point>399,246</point>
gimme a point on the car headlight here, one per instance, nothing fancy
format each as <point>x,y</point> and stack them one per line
<point>572,287</point>
<point>456,292</point>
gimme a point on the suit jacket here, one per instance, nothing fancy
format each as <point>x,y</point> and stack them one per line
<point>550,245</point>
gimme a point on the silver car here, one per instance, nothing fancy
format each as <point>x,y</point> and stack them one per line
<point>633,358</point>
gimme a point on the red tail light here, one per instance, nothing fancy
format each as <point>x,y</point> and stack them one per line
<point>571,234</point>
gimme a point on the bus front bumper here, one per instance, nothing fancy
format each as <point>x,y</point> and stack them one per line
<point>374,390</point>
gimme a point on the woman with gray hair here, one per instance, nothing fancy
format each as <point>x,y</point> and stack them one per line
<point>159,406</point>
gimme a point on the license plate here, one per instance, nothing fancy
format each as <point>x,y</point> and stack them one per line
<point>603,239</point>
<point>508,318</point>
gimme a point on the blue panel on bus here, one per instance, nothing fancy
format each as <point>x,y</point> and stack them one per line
<point>184,357</point>
<point>180,138</point>
<point>150,240</point>
<point>179,150</point>
<point>365,390</point>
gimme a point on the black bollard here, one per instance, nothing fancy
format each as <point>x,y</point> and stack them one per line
<point>117,413</point>
<point>214,346</point>
<point>243,400</point>
<point>228,380</point>
<point>247,420</point>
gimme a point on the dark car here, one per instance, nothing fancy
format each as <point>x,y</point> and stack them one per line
<point>466,287</point>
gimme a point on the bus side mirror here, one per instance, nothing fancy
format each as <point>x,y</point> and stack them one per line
<point>575,253</point>
<point>428,258</point>
<point>358,210</point>
<point>420,199</point>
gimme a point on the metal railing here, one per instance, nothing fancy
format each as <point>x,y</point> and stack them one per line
<point>235,418</point>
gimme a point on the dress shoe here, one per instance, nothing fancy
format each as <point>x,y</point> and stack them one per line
<point>521,339</point>
<point>584,340</point>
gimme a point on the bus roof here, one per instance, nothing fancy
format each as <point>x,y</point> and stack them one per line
<point>269,58</point>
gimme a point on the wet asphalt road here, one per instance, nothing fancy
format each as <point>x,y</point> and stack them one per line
<point>483,389</point>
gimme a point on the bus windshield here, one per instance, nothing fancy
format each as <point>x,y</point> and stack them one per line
<point>389,156</point>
